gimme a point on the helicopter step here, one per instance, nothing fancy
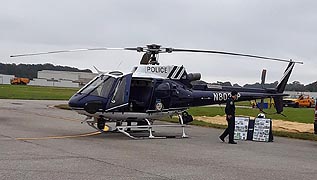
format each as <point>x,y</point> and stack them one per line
<point>101,126</point>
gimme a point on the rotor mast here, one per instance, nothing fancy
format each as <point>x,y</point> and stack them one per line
<point>151,54</point>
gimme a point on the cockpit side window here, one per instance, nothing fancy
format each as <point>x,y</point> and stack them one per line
<point>100,86</point>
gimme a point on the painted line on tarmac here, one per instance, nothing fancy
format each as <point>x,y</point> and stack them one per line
<point>60,137</point>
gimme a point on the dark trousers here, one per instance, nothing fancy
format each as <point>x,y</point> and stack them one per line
<point>230,129</point>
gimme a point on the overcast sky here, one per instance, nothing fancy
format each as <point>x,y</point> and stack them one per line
<point>283,29</point>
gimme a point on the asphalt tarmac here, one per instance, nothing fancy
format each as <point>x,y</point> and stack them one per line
<point>41,142</point>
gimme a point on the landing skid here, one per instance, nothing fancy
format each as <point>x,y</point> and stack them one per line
<point>126,130</point>
<point>123,130</point>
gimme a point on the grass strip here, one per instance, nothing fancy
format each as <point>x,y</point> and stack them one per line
<point>302,115</point>
<point>35,92</point>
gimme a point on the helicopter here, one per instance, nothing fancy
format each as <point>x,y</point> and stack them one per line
<point>152,91</point>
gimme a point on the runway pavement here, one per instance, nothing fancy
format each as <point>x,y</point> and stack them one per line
<point>41,142</point>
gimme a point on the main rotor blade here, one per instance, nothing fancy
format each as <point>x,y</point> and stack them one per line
<point>73,50</point>
<point>234,54</point>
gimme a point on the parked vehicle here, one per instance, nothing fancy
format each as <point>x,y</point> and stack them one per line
<point>300,101</point>
<point>22,81</point>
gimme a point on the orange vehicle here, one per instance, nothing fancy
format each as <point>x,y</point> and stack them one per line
<point>300,101</point>
<point>22,81</point>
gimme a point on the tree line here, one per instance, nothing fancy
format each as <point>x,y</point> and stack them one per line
<point>30,70</point>
<point>294,86</point>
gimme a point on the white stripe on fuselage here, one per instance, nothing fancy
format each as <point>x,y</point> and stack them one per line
<point>123,116</point>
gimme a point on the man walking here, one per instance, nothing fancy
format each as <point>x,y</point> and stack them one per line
<point>230,117</point>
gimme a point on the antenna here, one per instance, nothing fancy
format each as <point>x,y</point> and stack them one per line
<point>119,64</point>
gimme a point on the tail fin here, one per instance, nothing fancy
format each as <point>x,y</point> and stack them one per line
<point>282,84</point>
<point>278,100</point>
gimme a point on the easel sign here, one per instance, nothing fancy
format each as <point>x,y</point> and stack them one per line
<point>241,128</point>
<point>262,129</point>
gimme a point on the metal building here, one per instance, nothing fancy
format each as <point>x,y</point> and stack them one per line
<point>61,78</point>
<point>6,79</point>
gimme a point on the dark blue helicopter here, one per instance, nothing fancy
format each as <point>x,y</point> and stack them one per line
<point>152,91</point>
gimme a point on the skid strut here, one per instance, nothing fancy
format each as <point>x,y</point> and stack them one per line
<point>183,127</point>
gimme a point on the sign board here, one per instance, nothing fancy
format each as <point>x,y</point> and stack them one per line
<point>241,128</point>
<point>262,128</point>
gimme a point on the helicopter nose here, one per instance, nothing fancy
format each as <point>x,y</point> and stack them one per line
<point>75,101</point>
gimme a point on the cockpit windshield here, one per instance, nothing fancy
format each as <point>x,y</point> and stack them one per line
<point>100,86</point>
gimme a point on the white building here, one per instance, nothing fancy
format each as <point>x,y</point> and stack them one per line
<point>6,79</point>
<point>61,78</point>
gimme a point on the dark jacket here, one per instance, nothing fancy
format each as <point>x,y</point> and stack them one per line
<point>230,107</point>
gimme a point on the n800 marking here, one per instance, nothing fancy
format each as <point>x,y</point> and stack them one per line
<point>223,96</point>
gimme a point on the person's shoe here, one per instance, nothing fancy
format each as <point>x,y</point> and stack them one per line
<point>233,142</point>
<point>222,139</point>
